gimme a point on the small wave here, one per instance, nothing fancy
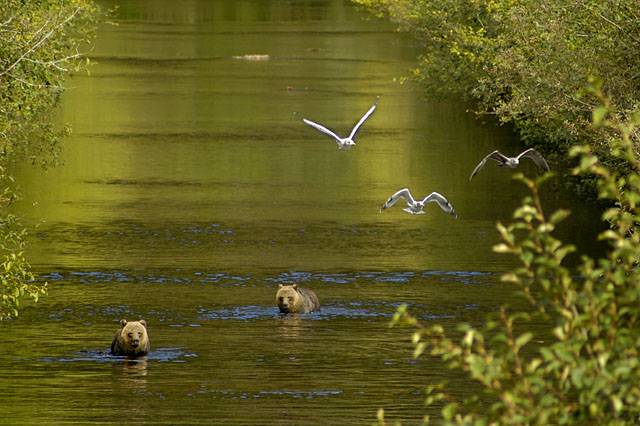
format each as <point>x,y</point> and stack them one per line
<point>197,277</point>
<point>278,393</point>
<point>464,277</point>
<point>243,313</point>
<point>156,355</point>
<point>350,310</point>
<point>398,277</point>
<point>299,394</point>
<point>203,277</point>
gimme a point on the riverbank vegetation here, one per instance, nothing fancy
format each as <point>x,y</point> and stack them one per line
<point>527,62</point>
<point>587,370</point>
<point>41,42</point>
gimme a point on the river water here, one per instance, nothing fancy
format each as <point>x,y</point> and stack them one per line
<point>190,189</point>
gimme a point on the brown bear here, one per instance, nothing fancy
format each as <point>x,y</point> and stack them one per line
<point>293,299</point>
<point>131,339</point>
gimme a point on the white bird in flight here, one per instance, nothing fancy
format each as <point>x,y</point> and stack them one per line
<point>512,162</point>
<point>416,207</point>
<point>343,143</point>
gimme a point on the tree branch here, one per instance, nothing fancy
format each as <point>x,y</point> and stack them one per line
<point>42,40</point>
<point>54,62</point>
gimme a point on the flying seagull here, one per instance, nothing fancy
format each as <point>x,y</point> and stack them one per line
<point>416,207</point>
<point>343,143</point>
<point>512,162</point>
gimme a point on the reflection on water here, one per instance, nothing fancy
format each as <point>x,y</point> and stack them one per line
<point>191,189</point>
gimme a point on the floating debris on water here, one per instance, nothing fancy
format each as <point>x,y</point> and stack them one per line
<point>253,57</point>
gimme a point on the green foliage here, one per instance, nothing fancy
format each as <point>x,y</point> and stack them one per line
<point>40,42</point>
<point>16,278</point>
<point>525,60</point>
<point>588,371</point>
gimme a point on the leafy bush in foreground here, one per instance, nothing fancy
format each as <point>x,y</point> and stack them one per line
<point>590,372</point>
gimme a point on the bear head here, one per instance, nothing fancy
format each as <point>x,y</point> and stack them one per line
<point>288,298</point>
<point>134,333</point>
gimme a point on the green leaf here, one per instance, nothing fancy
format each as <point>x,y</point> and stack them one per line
<point>449,411</point>
<point>502,248</point>
<point>533,365</point>
<point>577,150</point>
<point>523,339</point>
<point>559,215</point>
<point>617,403</point>
<point>559,333</point>
<point>468,338</point>
<point>588,162</point>
<point>598,115</point>
<point>527,257</point>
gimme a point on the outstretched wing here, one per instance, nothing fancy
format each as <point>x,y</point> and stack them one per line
<point>536,157</point>
<point>444,204</point>
<point>362,120</point>
<point>322,129</point>
<point>403,193</point>
<point>495,155</point>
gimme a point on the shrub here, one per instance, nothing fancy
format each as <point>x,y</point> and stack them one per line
<point>40,43</point>
<point>590,371</point>
<point>525,60</point>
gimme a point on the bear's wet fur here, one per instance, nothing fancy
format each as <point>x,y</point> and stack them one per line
<point>292,299</point>
<point>131,339</point>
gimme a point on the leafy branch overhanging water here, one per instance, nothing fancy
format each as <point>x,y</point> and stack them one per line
<point>526,62</point>
<point>40,43</point>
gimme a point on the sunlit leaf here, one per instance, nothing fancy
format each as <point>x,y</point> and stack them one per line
<point>523,339</point>
<point>598,115</point>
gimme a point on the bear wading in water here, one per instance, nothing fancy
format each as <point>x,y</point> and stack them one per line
<point>292,299</point>
<point>131,339</point>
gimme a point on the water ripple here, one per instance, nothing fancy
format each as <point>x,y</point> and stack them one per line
<point>300,394</point>
<point>177,355</point>
<point>177,277</point>
<point>282,393</point>
<point>466,277</point>
<point>329,312</point>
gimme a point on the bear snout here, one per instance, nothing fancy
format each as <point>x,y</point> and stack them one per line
<point>134,343</point>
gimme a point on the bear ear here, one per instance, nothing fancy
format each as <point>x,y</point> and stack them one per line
<point>123,322</point>
<point>280,285</point>
<point>295,286</point>
<point>143,322</point>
